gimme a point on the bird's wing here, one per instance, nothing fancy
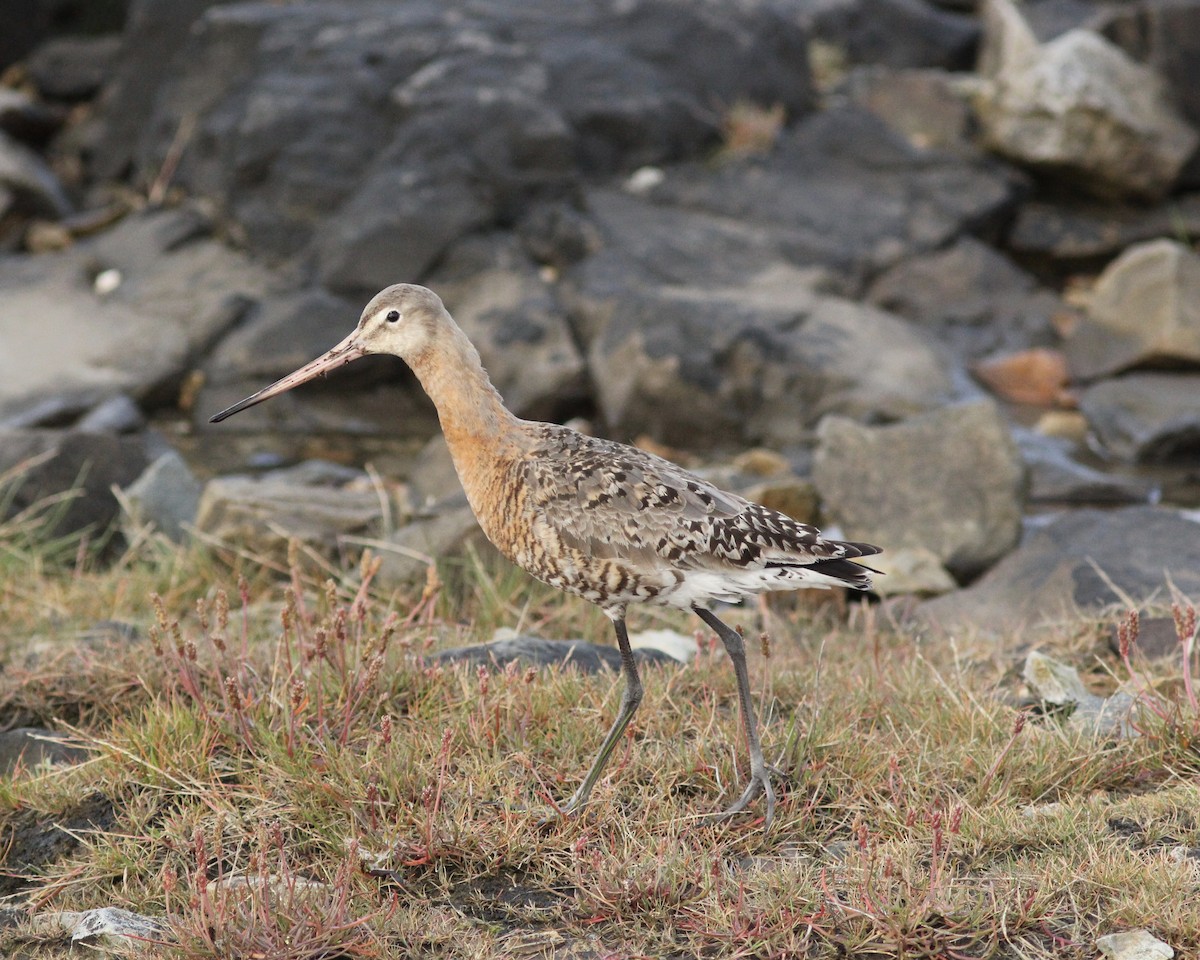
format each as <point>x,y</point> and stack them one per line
<point>614,501</point>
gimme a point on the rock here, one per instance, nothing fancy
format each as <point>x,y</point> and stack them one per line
<point>73,67</point>
<point>1146,417</point>
<point>397,225</point>
<point>260,516</point>
<point>36,838</point>
<point>1144,309</point>
<point>386,131</point>
<point>911,570</point>
<point>177,291</point>
<point>1054,682</point>
<point>970,296</point>
<point>117,414</point>
<point>791,495</point>
<point>1056,477</point>
<point>516,322</point>
<point>30,747</point>
<point>1051,576</point>
<point>841,191</point>
<point>1157,639</point>
<point>109,929</point>
<point>1079,108</point>
<point>925,106</point>
<point>34,189</point>
<point>433,481</point>
<point>166,496</point>
<point>410,550</point>
<point>1165,37</point>
<point>1059,684</point>
<point>1066,425</point>
<point>1134,945</point>
<point>48,463</point>
<point>896,33</point>
<point>1035,377</point>
<point>762,362</point>
<point>50,412</point>
<point>950,482</point>
<point>26,23</point>
<point>1073,232</point>
<point>25,119</point>
<point>534,651</point>
<point>674,644</point>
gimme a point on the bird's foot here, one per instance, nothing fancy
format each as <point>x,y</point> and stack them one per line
<point>568,810</point>
<point>760,782</point>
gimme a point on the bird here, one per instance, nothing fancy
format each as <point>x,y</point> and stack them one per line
<point>607,522</point>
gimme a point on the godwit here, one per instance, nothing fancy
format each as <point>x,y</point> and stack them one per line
<point>604,521</point>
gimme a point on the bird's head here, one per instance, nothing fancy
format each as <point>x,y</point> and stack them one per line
<point>403,320</point>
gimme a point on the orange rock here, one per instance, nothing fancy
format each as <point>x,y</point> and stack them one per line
<point>1037,377</point>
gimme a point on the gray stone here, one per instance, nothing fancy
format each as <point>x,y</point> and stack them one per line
<point>971,297</point>
<point>49,463</point>
<point>536,652</point>
<point>26,119</point>
<point>841,191</point>
<point>514,319</point>
<point>111,929</point>
<point>1165,36</point>
<point>30,747</point>
<point>1079,107</point>
<point>1146,417</point>
<point>396,226</point>
<point>761,362</point>
<point>117,414</point>
<point>1051,576</point>
<point>261,516</point>
<point>1057,477</point>
<point>911,570</point>
<point>1054,682</point>
<point>1059,684</point>
<point>34,188</point>
<point>410,551</point>
<point>153,34</point>
<point>950,481</point>
<point>926,106</point>
<point>433,481</point>
<point>1145,308</point>
<point>896,33</point>
<point>1072,232</point>
<point>1134,945</point>
<point>387,130</point>
<point>73,67</point>
<point>176,292</point>
<point>166,496</point>
<point>1157,639</point>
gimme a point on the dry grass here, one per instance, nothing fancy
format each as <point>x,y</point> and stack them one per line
<point>289,777</point>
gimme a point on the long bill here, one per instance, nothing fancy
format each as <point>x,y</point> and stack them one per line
<point>346,351</point>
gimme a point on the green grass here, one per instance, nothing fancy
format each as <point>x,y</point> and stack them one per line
<point>288,777</point>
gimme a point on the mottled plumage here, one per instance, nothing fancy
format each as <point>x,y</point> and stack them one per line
<point>616,525</point>
<point>601,520</point>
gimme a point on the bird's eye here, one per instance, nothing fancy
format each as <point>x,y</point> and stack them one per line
<point>393,316</point>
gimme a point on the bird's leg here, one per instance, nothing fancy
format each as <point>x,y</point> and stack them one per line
<point>629,704</point>
<point>760,780</point>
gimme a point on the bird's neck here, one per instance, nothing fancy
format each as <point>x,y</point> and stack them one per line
<point>470,409</point>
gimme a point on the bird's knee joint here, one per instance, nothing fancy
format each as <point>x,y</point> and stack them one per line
<point>734,643</point>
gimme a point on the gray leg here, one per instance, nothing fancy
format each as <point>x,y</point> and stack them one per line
<point>760,780</point>
<point>629,704</point>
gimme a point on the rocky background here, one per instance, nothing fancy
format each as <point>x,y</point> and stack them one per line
<point>914,270</point>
